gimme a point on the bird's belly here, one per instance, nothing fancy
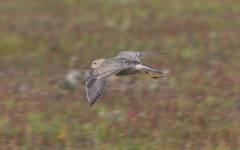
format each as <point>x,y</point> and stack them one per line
<point>128,72</point>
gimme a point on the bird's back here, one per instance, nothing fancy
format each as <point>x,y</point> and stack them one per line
<point>125,61</point>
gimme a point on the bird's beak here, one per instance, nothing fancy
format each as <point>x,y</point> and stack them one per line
<point>87,67</point>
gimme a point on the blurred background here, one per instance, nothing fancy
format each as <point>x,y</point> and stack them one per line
<point>44,46</point>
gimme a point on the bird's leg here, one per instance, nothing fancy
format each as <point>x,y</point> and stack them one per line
<point>157,77</point>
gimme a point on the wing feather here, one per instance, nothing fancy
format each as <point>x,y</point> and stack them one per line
<point>98,78</point>
<point>135,55</point>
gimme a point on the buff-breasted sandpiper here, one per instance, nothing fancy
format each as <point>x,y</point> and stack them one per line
<point>125,63</point>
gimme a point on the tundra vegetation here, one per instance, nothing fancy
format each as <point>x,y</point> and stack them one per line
<point>197,107</point>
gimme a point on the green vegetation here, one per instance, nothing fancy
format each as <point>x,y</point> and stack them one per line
<point>197,107</point>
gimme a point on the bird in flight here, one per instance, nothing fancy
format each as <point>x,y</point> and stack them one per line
<point>125,63</point>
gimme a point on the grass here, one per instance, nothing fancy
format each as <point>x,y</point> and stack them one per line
<point>196,107</point>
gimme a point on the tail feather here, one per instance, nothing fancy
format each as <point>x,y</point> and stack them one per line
<point>146,68</point>
<point>153,70</point>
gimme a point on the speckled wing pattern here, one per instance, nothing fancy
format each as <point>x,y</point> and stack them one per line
<point>98,78</point>
<point>135,55</point>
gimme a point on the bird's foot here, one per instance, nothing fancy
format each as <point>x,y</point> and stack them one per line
<point>156,77</point>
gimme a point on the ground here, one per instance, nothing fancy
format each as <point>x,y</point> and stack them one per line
<point>196,107</point>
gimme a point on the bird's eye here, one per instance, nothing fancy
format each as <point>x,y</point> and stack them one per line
<point>94,63</point>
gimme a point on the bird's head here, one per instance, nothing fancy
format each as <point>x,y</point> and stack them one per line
<point>96,63</point>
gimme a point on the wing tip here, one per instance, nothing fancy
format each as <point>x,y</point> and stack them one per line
<point>160,53</point>
<point>91,102</point>
<point>95,100</point>
<point>166,53</point>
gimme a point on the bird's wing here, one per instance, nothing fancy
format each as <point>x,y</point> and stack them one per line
<point>98,78</point>
<point>135,55</point>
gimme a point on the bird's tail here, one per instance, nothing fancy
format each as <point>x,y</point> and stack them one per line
<point>146,68</point>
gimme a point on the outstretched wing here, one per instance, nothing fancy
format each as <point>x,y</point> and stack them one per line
<point>135,55</point>
<point>98,78</point>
